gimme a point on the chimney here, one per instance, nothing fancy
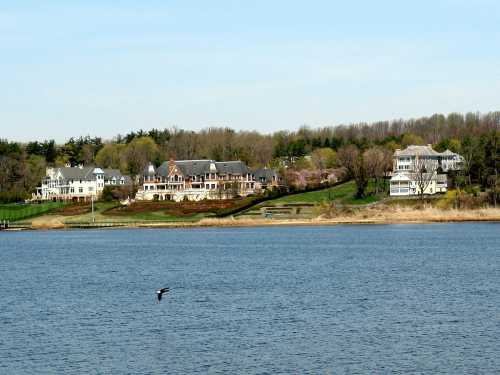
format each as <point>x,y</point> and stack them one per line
<point>171,165</point>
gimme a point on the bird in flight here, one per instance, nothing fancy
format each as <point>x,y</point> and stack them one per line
<point>160,292</point>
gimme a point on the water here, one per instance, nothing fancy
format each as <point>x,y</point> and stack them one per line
<point>322,300</point>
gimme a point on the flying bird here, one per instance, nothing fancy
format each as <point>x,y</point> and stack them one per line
<point>160,292</point>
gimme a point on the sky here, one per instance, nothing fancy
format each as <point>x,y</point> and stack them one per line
<point>102,68</point>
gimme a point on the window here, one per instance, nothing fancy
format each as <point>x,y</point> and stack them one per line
<point>72,190</point>
<point>80,189</point>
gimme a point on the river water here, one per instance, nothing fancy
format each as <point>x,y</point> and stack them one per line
<point>321,300</point>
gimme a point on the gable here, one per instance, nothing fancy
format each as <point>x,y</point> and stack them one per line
<point>175,170</point>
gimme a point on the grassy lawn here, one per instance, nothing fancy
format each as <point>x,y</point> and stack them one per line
<point>343,193</point>
<point>14,211</point>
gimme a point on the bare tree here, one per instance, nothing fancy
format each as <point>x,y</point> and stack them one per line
<point>87,154</point>
<point>378,161</point>
<point>139,153</point>
<point>493,146</point>
<point>110,156</point>
<point>424,171</point>
<point>346,157</point>
<point>469,146</point>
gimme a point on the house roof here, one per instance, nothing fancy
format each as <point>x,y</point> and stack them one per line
<point>448,153</point>
<point>265,173</point>
<point>232,167</point>
<point>115,173</point>
<point>417,150</point>
<point>149,170</point>
<point>400,177</point>
<point>110,173</point>
<point>77,173</point>
<point>200,167</point>
<point>414,150</point>
<point>194,167</point>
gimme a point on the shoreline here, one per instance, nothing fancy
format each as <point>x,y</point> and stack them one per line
<point>374,216</point>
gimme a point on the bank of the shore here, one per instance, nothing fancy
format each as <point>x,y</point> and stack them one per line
<point>372,215</point>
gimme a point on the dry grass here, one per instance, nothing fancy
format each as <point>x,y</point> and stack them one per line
<point>48,222</point>
<point>381,214</point>
<point>373,215</point>
<point>405,214</point>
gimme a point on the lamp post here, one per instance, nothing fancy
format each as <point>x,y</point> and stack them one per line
<point>93,217</point>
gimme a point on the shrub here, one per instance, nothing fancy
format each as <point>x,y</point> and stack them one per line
<point>107,194</point>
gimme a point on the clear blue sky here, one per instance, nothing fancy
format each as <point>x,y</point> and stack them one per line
<point>70,68</point>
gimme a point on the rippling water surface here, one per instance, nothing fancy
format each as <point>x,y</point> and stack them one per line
<point>329,300</point>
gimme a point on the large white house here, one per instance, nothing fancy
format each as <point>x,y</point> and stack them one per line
<point>404,184</point>
<point>405,160</point>
<point>77,183</point>
<point>416,168</point>
<point>196,180</point>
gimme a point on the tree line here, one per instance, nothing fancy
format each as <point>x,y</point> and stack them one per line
<point>363,149</point>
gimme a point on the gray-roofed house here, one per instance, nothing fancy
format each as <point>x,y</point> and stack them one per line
<point>77,183</point>
<point>407,162</point>
<point>113,177</point>
<point>196,180</point>
<point>404,160</point>
<point>267,178</point>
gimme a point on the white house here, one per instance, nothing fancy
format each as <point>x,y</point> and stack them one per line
<point>404,160</point>
<point>408,165</point>
<point>77,183</point>
<point>406,184</point>
<point>195,180</point>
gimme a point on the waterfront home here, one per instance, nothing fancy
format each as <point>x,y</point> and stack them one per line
<point>195,180</point>
<point>77,183</point>
<point>406,184</point>
<point>406,160</point>
<point>419,166</point>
